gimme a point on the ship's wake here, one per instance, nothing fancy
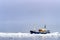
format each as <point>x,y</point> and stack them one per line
<point>26,35</point>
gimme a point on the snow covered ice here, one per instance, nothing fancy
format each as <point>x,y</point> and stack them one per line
<point>26,35</point>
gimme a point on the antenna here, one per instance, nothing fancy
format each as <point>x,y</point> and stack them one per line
<point>34,26</point>
<point>45,26</point>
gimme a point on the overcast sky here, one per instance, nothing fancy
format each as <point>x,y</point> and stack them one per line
<point>16,13</point>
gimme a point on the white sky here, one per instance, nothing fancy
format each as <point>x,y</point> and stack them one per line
<point>17,12</point>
